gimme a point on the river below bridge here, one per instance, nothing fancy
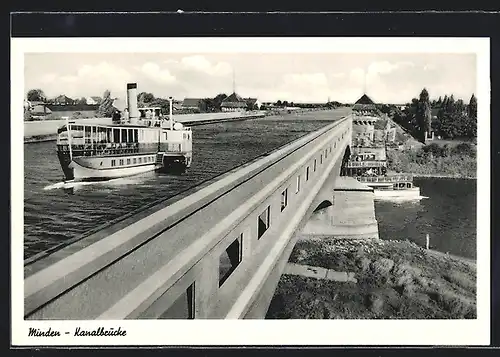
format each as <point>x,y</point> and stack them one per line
<point>54,213</point>
<point>447,214</point>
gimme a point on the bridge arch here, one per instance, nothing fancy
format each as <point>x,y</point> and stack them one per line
<point>323,205</point>
<point>345,159</point>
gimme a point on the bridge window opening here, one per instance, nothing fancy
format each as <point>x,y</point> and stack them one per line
<point>121,162</point>
<point>183,307</point>
<point>113,162</point>
<point>326,153</point>
<point>330,149</point>
<point>314,165</point>
<point>230,259</point>
<point>284,199</point>
<point>140,160</point>
<point>321,159</point>
<point>135,160</point>
<point>264,222</point>
<point>307,173</point>
<point>128,161</point>
<point>297,187</point>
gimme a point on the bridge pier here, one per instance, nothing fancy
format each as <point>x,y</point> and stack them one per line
<point>352,215</point>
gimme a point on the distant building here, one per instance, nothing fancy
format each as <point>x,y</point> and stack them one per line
<point>176,106</point>
<point>363,131</point>
<point>40,111</point>
<point>63,100</point>
<point>34,103</point>
<point>253,103</point>
<point>234,103</point>
<point>192,103</point>
<point>365,103</point>
<point>93,100</point>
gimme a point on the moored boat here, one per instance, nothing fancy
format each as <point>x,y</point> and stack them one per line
<point>91,152</point>
<point>392,186</point>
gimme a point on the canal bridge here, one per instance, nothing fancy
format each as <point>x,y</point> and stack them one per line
<point>216,251</point>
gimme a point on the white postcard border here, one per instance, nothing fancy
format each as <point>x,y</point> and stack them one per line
<point>257,332</point>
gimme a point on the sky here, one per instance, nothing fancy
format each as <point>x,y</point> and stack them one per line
<point>295,77</point>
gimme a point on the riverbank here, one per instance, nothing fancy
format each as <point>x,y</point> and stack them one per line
<point>40,138</point>
<point>387,280</point>
<point>433,160</point>
<point>446,176</point>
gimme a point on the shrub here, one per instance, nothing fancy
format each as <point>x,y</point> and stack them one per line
<point>465,149</point>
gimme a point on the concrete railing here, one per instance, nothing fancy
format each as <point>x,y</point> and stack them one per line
<point>49,127</point>
<point>351,164</point>
<point>167,260</point>
<point>386,179</point>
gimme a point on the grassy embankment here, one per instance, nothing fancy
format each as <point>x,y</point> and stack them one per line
<point>440,158</point>
<point>395,280</point>
<point>448,160</point>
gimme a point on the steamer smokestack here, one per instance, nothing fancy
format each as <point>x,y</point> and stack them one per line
<point>133,110</point>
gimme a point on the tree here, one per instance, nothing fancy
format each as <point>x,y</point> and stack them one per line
<point>472,109</point>
<point>145,97</point>
<point>81,101</point>
<point>218,101</point>
<point>278,103</point>
<point>106,107</point>
<point>472,114</point>
<point>423,114</point>
<point>36,95</point>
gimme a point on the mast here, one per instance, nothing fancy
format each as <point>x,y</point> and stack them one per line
<point>364,85</point>
<point>234,83</point>
<point>170,99</point>
<point>69,139</point>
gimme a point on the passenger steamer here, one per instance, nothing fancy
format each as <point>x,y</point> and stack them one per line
<point>93,152</point>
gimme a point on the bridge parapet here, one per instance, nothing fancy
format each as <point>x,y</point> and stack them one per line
<point>206,255</point>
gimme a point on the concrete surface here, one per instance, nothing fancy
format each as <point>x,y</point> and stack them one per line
<point>319,273</point>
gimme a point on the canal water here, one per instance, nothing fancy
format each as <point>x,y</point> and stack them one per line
<point>54,213</point>
<point>447,214</point>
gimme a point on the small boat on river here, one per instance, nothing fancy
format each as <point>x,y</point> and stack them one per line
<point>392,186</point>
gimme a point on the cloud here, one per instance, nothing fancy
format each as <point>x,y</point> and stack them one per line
<point>154,72</point>
<point>307,79</point>
<point>338,75</point>
<point>357,75</point>
<point>48,78</point>
<point>85,81</point>
<point>386,67</point>
<point>202,64</point>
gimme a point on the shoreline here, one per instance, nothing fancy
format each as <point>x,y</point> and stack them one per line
<point>465,177</point>
<point>387,279</point>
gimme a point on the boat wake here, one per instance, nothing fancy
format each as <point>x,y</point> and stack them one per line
<point>75,184</point>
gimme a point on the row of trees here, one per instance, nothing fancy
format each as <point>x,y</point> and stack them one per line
<point>145,99</point>
<point>38,95</point>
<point>446,117</point>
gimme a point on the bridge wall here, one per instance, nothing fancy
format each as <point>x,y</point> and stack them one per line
<point>165,261</point>
<point>260,306</point>
<point>49,127</point>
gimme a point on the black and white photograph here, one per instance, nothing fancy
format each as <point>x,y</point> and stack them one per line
<point>337,186</point>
